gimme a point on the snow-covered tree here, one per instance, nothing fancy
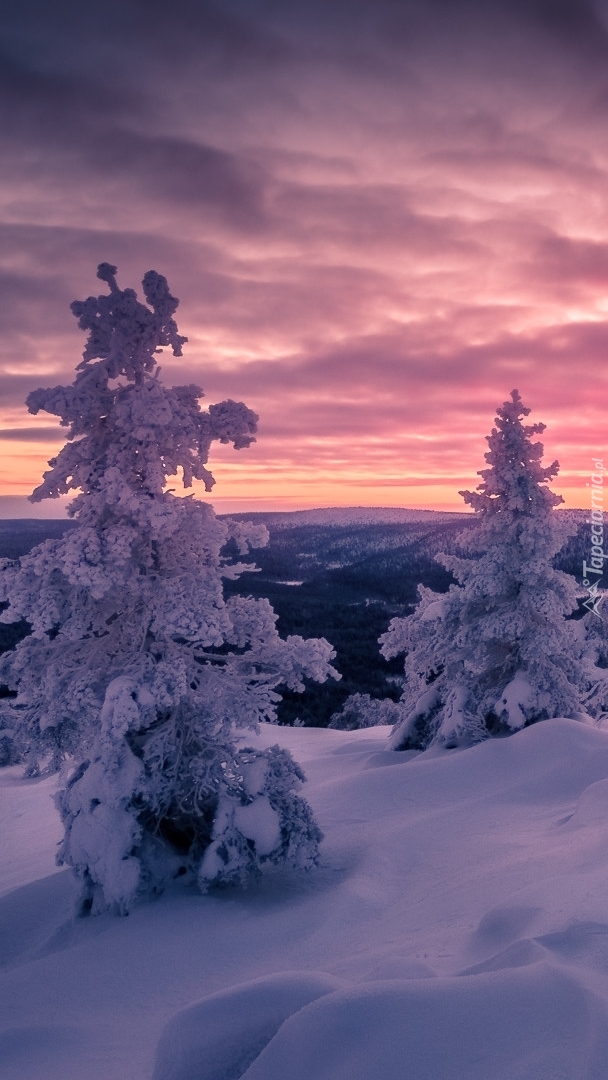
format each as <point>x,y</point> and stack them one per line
<point>594,635</point>
<point>138,669</point>
<point>496,652</point>
<point>364,711</point>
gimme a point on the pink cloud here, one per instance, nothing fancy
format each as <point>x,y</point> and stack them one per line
<point>380,218</point>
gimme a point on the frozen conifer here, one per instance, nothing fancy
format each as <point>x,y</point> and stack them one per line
<point>138,669</point>
<point>496,652</point>
<point>364,711</point>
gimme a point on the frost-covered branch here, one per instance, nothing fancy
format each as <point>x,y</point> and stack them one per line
<point>124,424</point>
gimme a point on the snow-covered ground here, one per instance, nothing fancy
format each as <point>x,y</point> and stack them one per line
<point>456,930</point>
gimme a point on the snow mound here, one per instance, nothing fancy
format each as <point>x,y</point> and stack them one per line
<point>27,848</point>
<point>30,916</point>
<point>220,1037</point>
<point>592,806</point>
<point>456,929</point>
<point>535,1024</point>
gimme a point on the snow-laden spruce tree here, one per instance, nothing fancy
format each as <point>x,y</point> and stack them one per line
<point>138,669</point>
<point>496,652</point>
<point>363,711</point>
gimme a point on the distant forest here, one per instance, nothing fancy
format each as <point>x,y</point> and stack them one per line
<point>343,582</point>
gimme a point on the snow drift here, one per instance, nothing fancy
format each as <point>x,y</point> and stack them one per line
<point>457,929</point>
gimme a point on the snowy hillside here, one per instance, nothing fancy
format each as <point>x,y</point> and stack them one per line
<point>368,515</point>
<point>457,929</point>
<point>351,515</point>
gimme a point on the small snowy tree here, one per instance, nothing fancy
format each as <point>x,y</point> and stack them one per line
<point>138,669</point>
<point>496,652</point>
<point>594,635</point>
<point>363,711</point>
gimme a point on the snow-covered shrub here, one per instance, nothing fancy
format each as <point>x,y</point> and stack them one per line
<point>363,711</point>
<point>9,752</point>
<point>594,635</point>
<point>138,670</point>
<point>496,652</point>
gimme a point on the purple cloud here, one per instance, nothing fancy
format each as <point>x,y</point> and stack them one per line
<point>379,219</point>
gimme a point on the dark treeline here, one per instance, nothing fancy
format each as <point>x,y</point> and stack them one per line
<point>341,582</point>
<point>17,537</point>
<point>352,580</point>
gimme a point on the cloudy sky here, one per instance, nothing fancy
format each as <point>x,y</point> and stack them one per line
<point>380,217</point>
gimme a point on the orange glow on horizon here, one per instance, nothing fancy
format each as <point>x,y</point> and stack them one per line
<point>374,234</point>
<point>270,484</point>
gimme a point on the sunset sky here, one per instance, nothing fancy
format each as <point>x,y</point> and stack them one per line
<point>380,217</point>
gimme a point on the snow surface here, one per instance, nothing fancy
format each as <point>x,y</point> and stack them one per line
<point>457,929</point>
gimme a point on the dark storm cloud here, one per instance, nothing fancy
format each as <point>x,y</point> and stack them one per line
<point>51,111</point>
<point>81,132</point>
<point>178,171</point>
<point>119,43</point>
<point>574,24</point>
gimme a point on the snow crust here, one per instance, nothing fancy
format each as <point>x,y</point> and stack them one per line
<point>457,928</point>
